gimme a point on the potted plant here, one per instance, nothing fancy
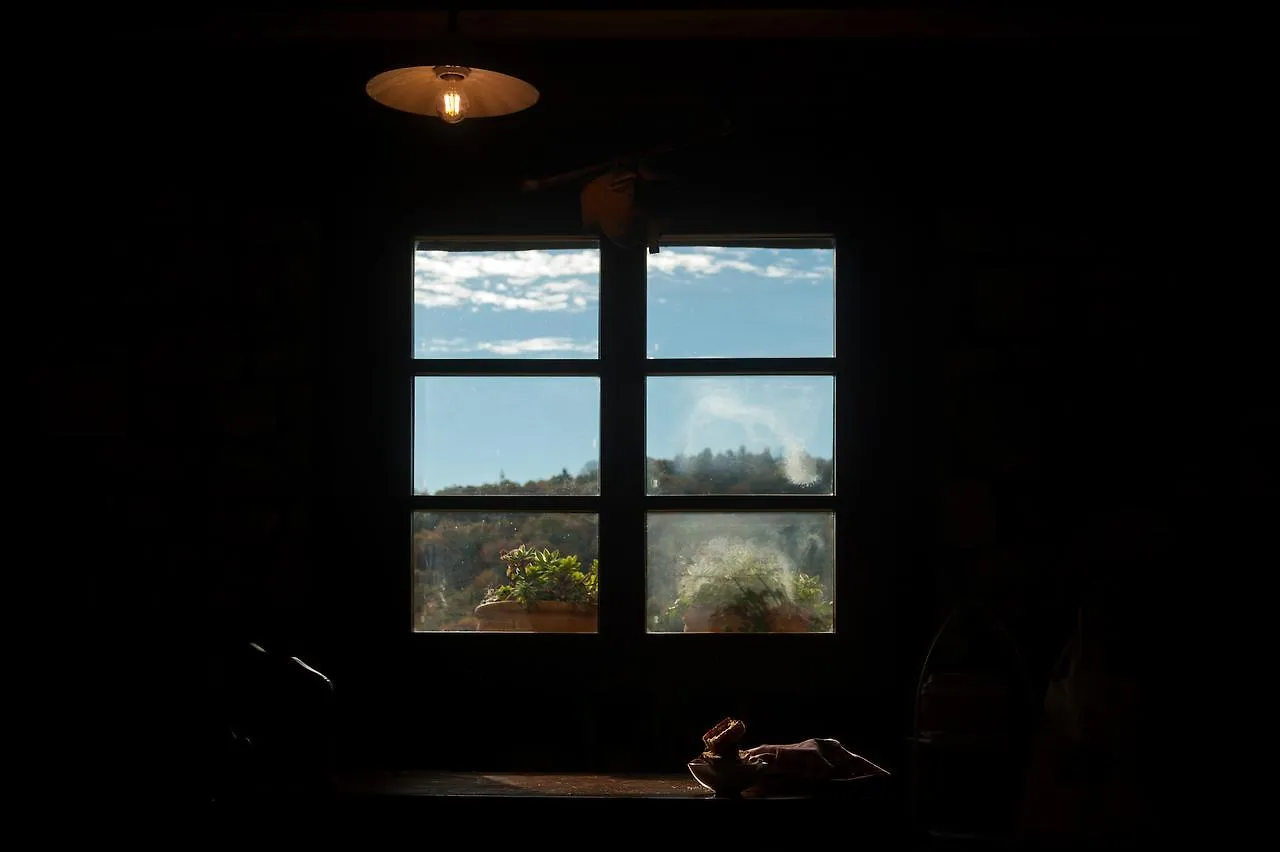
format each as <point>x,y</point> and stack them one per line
<point>548,593</point>
<point>745,589</point>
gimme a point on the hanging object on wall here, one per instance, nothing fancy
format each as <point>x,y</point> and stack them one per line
<point>609,206</point>
<point>451,91</point>
<point>625,199</point>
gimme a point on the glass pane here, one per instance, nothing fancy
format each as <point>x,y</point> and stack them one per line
<point>480,435</point>
<point>746,572</point>
<point>505,571</point>
<point>740,302</point>
<point>740,434</point>
<point>539,303</point>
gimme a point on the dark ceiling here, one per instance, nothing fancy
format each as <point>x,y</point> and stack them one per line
<point>808,92</point>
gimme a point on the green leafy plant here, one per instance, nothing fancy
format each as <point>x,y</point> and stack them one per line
<point>810,598</point>
<point>749,587</point>
<point>546,575</point>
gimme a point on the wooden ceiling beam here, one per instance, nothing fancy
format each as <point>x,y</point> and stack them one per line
<point>868,22</point>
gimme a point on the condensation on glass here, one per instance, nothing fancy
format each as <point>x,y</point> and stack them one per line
<point>740,435</point>
<point>741,301</point>
<point>461,580</point>
<point>486,302</point>
<point>740,572</point>
<point>506,435</point>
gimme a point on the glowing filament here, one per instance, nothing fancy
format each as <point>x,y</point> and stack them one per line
<point>452,104</point>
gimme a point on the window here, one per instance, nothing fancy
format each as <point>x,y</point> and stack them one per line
<point>608,440</point>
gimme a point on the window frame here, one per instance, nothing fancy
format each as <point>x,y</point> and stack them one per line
<point>623,368</point>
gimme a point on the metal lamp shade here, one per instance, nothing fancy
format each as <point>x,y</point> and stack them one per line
<point>414,90</point>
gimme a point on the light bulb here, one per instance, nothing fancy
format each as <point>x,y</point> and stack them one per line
<point>451,101</point>
<point>452,104</point>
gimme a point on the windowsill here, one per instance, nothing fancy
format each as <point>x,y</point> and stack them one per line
<point>408,783</point>
<point>520,805</point>
<point>420,783</point>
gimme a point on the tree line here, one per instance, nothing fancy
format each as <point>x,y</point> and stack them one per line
<point>727,472</point>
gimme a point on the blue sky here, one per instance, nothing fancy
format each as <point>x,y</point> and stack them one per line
<point>702,302</point>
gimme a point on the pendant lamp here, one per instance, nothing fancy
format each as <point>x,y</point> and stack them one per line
<point>451,91</point>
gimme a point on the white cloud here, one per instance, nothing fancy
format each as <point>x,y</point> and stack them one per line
<point>573,285</point>
<point>483,348</point>
<point>711,260</point>
<point>567,280</point>
<point>536,345</point>
<point>560,280</point>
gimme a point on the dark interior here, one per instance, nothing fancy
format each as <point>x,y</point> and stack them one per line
<point>1010,186</point>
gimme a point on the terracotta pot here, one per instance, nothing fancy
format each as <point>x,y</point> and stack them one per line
<point>784,621</point>
<point>703,620</point>
<point>545,617</point>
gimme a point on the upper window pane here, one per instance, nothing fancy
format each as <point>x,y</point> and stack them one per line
<point>740,434</point>
<point>741,302</point>
<point>535,303</point>
<point>481,435</point>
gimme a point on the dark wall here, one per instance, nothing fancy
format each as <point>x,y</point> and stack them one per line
<point>231,368</point>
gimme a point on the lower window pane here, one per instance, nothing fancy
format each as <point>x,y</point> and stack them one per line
<point>744,572</point>
<point>505,571</point>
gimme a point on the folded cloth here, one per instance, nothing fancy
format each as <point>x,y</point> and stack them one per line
<point>810,761</point>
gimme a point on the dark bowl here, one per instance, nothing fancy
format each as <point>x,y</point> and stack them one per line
<point>723,778</point>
